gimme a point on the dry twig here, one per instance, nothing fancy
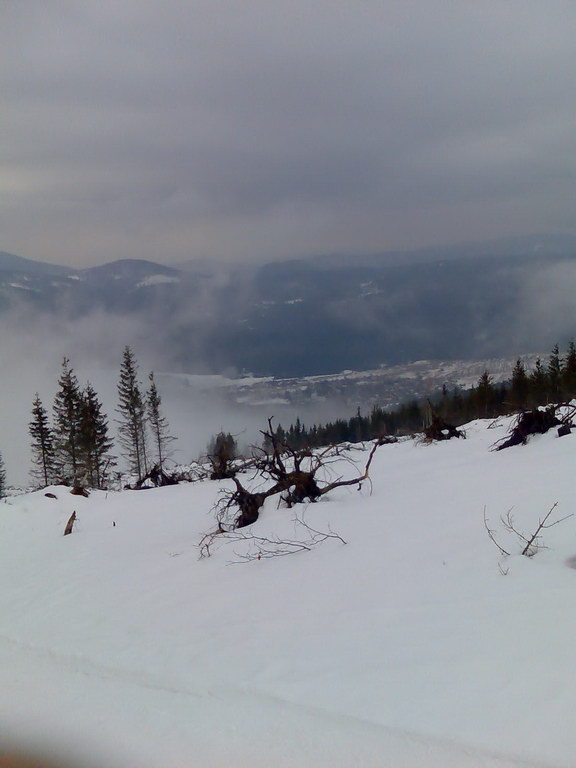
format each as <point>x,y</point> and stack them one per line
<point>532,543</point>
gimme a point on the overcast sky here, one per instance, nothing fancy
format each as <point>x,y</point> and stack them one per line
<point>259,129</point>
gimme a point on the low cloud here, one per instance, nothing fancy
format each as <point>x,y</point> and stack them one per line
<point>546,312</point>
<point>166,131</point>
<point>33,346</point>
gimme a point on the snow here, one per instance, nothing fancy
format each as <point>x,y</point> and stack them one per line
<point>406,647</point>
<point>157,280</point>
<point>215,381</point>
<point>22,287</point>
<point>264,402</point>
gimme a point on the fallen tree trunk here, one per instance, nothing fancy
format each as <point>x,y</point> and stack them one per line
<point>535,422</point>
<point>441,430</point>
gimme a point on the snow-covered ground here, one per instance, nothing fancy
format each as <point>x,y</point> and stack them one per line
<point>415,644</point>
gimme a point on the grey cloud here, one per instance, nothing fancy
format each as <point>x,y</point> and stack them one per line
<point>182,129</point>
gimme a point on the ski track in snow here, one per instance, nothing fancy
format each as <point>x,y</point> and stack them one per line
<point>426,751</point>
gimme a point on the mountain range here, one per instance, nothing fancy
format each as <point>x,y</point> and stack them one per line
<point>322,315</point>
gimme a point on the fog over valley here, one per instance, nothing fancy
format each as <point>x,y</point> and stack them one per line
<point>232,346</point>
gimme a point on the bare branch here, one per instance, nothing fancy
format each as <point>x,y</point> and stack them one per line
<point>508,524</point>
<point>534,536</point>
<point>356,480</point>
<point>533,543</point>
<point>492,537</point>
<point>266,547</point>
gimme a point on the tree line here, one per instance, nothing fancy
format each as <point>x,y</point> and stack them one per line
<point>551,381</point>
<point>75,446</point>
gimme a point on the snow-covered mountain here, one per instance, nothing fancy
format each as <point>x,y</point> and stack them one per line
<point>416,644</point>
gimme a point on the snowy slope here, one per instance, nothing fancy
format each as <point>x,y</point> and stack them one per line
<point>405,647</point>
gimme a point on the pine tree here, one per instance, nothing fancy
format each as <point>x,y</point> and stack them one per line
<point>443,404</point>
<point>538,384</point>
<point>161,436</point>
<point>132,412</point>
<point>94,442</point>
<point>222,450</point>
<point>484,395</point>
<point>43,450</point>
<point>555,375</point>
<point>519,386</point>
<point>67,423</point>
<point>569,372</point>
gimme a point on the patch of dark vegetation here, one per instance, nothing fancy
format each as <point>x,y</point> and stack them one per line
<point>536,422</point>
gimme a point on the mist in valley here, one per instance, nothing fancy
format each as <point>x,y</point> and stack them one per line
<point>197,406</point>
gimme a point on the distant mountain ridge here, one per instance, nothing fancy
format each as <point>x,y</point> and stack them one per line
<point>11,262</point>
<point>524,245</point>
<point>128,268</point>
<point>324,315</point>
<point>552,245</point>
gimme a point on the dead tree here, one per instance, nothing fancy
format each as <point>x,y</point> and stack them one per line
<point>438,429</point>
<point>536,422</point>
<point>158,477</point>
<point>294,471</point>
<point>77,490</point>
<point>294,478</point>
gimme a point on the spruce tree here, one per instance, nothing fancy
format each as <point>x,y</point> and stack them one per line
<point>484,394</point>
<point>161,437</point>
<point>222,450</point>
<point>538,384</point>
<point>519,386</point>
<point>555,375</point>
<point>132,412</point>
<point>569,372</point>
<point>94,442</point>
<point>43,450</point>
<point>67,424</point>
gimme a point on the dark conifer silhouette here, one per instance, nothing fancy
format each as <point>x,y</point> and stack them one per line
<point>222,451</point>
<point>555,375</point>
<point>519,387</point>
<point>43,449</point>
<point>95,444</point>
<point>485,395</point>
<point>67,424</point>
<point>132,415</point>
<point>569,372</point>
<point>538,383</point>
<point>161,437</point>
<point>553,383</point>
